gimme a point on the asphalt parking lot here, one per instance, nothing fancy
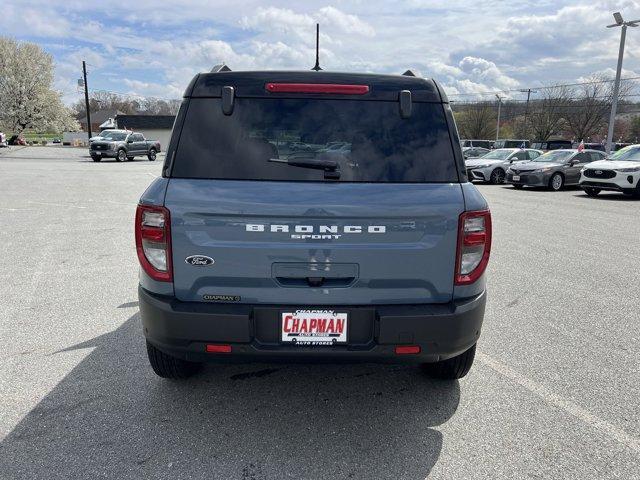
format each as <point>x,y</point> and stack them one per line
<point>554,392</point>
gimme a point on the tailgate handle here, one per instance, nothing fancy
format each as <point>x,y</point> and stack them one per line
<point>315,282</point>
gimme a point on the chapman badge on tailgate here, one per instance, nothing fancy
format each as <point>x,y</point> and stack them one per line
<point>199,260</point>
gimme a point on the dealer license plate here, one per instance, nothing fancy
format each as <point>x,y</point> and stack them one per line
<point>516,178</point>
<point>314,327</point>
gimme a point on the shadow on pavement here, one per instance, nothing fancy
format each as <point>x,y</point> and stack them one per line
<point>111,417</point>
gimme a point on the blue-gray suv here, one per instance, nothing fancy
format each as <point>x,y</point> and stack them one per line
<point>312,216</point>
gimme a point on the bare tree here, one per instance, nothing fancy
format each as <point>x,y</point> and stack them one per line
<point>26,97</point>
<point>546,114</point>
<point>477,120</point>
<point>588,112</point>
<point>127,104</point>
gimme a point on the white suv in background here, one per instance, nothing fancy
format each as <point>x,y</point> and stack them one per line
<point>493,166</point>
<point>620,172</point>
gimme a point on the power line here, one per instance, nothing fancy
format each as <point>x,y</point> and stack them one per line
<point>518,90</point>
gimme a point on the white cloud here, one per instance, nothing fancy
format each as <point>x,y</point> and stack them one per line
<point>344,22</point>
<point>469,48</point>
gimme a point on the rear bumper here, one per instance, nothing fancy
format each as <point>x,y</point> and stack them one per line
<point>183,329</point>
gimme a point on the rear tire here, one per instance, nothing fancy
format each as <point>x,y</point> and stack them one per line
<point>517,186</point>
<point>152,155</point>
<point>452,368</point>
<point>556,182</point>
<point>497,176</point>
<point>166,366</point>
<point>592,191</point>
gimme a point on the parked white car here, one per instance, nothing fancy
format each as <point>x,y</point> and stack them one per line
<point>620,172</point>
<point>493,166</point>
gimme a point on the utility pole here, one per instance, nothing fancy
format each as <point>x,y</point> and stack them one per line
<point>498,125</point>
<point>528,91</point>
<point>86,97</point>
<point>616,86</point>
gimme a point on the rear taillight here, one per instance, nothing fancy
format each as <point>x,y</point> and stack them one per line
<point>474,246</point>
<point>153,241</point>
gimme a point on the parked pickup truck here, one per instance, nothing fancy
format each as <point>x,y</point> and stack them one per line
<point>123,145</point>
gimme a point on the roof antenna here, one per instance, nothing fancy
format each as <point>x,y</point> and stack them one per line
<point>317,65</point>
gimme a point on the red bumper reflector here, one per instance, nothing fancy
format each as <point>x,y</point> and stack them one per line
<point>407,349</point>
<point>218,348</point>
<point>333,88</point>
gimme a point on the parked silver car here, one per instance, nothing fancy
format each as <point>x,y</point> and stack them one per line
<point>492,167</point>
<point>554,169</point>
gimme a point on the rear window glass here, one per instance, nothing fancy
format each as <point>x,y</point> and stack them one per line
<point>362,141</point>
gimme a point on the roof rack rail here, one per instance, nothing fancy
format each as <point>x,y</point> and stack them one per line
<point>220,68</point>
<point>409,73</point>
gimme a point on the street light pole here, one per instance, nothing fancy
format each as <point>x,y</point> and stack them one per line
<point>498,125</point>
<point>616,86</point>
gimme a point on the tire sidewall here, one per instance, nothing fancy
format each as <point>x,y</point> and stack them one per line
<point>152,155</point>
<point>121,153</point>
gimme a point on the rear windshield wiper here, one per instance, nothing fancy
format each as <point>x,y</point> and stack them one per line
<point>326,165</point>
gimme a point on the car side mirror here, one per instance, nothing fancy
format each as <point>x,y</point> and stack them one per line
<point>130,140</point>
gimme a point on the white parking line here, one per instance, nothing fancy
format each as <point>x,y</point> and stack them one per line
<point>557,401</point>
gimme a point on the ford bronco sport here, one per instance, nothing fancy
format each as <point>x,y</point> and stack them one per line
<point>264,242</point>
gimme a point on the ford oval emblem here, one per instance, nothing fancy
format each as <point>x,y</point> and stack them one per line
<point>598,172</point>
<point>199,260</point>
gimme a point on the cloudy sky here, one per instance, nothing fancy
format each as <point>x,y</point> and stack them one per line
<point>145,47</point>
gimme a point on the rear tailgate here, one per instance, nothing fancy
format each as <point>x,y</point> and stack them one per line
<point>314,243</point>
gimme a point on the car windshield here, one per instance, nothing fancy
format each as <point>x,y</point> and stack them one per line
<point>556,156</point>
<point>628,154</point>
<point>117,136</point>
<point>497,155</point>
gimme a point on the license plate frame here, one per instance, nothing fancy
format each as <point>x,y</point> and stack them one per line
<point>315,334</point>
<point>516,178</point>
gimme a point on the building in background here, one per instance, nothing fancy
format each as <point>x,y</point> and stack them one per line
<point>98,118</point>
<point>153,127</point>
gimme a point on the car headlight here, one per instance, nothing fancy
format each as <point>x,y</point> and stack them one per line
<point>628,170</point>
